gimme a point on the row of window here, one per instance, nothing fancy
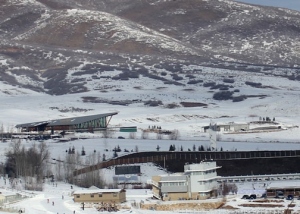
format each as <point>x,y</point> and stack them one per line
<point>204,173</point>
<point>165,184</point>
<point>206,182</point>
<point>99,123</point>
<point>99,195</point>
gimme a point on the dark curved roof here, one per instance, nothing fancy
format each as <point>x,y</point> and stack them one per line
<point>66,121</point>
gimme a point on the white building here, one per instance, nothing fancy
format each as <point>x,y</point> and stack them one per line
<point>198,181</point>
<point>230,127</point>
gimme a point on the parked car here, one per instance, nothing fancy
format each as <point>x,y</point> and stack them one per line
<point>245,196</point>
<point>252,196</point>
<point>279,194</point>
<point>289,197</point>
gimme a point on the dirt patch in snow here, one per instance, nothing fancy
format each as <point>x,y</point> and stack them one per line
<point>261,205</point>
<point>182,206</point>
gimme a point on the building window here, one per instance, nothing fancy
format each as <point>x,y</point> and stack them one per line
<point>92,195</point>
<point>115,195</point>
<point>77,196</point>
<point>100,195</point>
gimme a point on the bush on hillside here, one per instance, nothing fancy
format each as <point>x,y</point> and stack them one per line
<point>223,95</point>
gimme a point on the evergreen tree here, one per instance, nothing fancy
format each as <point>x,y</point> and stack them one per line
<point>194,147</point>
<point>136,149</point>
<point>118,149</point>
<point>115,154</point>
<point>181,148</point>
<point>82,152</point>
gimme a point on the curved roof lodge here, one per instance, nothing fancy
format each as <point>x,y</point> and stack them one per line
<point>83,123</point>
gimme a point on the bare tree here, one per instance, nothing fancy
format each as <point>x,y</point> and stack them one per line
<point>1,132</point>
<point>59,169</point>
<point>174,135</point>
<point>108,133</point>
<point>145,134</point>
<point>136,149</point>
<point>132,135</point>
<point>225,189</point>
<point>30,163</point>
<point>93,177</point>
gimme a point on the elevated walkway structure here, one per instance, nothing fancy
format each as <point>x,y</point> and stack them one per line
<point>193,157</point>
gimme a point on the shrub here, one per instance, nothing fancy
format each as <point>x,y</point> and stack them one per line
<point>176,77</point>
<point>228,80</point>
<point>219,86</point>
<point>223,95</point>
<point>163,73</point>
<point>172,105</point>
<point>194,82</point>
<point>173,83</point>
<point>225,88</point>
<point>253,84</point>
<point>239,98</point>
<point>209,84</point>
<point>153,103</point>
<point>190,76</point>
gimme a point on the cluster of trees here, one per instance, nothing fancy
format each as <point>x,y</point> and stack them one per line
<point>154,127</point>
<point>172,135</point>
<point>267,119</point>
<point>31,162</point>
<point>65,167</point>
<point>33,165</point>
<point>226,188</point>
<point>200,148</point>
<point>118,149</point>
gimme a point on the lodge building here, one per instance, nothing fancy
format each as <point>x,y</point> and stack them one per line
<point>79,124</point>
<point>100,195</point>
<point>198,181</point>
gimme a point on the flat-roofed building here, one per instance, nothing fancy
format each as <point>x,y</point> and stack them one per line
<point>229,127</point>
<point>198,181</point>
<point>100,195</point>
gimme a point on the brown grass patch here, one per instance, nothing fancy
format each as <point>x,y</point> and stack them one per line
<point>262,205</point>
<point>228,207</point>
<point>191,104</point>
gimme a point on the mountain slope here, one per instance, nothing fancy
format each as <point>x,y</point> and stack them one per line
<point>58,47</point>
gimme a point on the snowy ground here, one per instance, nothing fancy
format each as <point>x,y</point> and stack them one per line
<point>23,106</point>
<point>38,203</point>
<point>60,194</point>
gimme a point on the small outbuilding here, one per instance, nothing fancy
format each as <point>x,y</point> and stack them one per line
<point>100,195</point>
<point>286,188</point>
